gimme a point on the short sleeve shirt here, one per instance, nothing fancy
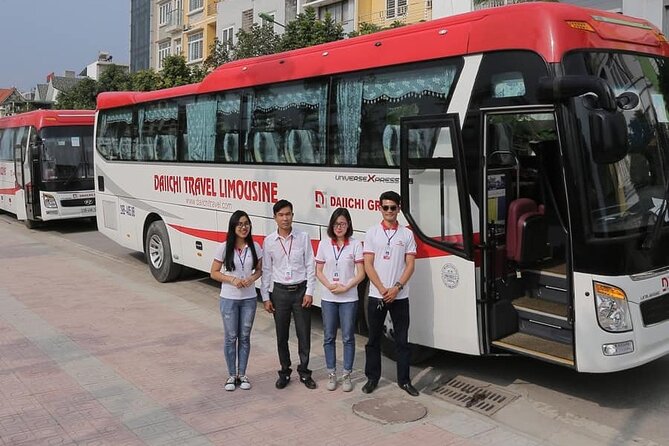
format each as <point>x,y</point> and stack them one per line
<point>389,246</point>
<point>339,267</point>
<point>244,267</point>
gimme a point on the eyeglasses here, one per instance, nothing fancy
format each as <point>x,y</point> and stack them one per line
<point>243,225</point>
<point>341,225</point>
<point>389,208</point>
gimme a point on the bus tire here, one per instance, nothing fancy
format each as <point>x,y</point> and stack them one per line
<point>158,253</point>
<point>31,224</point>
<point>419,353</point>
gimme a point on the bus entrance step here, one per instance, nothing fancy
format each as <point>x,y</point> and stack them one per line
<point>544,319</point>
<point>534,346</point>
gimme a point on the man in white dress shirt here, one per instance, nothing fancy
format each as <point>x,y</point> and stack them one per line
<point>288,266</point>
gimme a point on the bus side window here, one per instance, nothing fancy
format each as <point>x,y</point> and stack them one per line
<point>228,129</point>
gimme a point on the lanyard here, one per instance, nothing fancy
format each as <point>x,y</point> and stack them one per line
<point>337,256</point>
<point>290,248</point>
<point>239,255</point>
<point>386,234</point>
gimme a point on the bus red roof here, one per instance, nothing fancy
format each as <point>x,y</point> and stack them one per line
<point>49,118</point>
<point>549,29</point>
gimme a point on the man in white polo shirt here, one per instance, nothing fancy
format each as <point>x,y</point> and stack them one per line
<point>390,254</point>
<point>288,264</point>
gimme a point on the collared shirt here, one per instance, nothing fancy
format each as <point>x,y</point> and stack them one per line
<point>244,267</point>
<point>339,267</point>
<point>287,260</point>
<point>389,246</point>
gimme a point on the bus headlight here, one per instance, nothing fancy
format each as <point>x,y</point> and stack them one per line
<point>49,201</point>
<point>613,313</point>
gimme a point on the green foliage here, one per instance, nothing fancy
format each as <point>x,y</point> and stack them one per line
<point>307,30</point>
<point>198,72</point>
<point>175,72</point>
<point>145,80</point>
<point>81,96</point>
<point>257,41</point>
<point>365,28</point>
<point>219,53</point>
<point>114,78</point>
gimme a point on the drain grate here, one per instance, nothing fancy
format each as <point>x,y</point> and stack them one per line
<point>476,395</point>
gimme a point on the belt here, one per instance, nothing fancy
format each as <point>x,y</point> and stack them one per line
<point>290,287</point>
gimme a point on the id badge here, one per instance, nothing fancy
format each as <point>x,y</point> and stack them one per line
<point>386,253</point>
<point>288,275</point>
<point>335,276</point>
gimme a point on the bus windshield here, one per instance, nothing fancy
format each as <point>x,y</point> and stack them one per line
<point>67,153</point>
<point>626,196</point>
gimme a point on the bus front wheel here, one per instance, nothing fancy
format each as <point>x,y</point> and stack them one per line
<point>159,253</point>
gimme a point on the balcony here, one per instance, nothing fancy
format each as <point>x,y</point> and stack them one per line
<point>175,20</point>
<point>484,4</point>
<point>413,12</point>
<point>212,7</point>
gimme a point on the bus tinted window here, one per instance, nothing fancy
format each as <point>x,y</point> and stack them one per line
<point>114,135</point>
<point>158,130</point>
<point>287,123</point>
<point>368,109</point>
<point>7,144</point>
<point>228,130</point>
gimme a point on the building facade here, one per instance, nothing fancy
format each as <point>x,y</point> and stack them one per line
<point>140,35</point>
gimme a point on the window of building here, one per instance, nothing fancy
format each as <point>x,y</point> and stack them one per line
<point>164,50</point>
<point>176,14</point>
<point>226,37</point>
<point>247,19</point>
<point>337,11</point>
<point>396,8</point>
<point>177,47</point>
<point>164,12</point>
<point>195,46</point>
<point>195,5</point>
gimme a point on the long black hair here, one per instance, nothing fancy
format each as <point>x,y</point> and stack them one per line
<point>229,260</point>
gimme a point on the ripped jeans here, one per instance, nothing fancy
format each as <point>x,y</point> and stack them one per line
<point>238,316</point>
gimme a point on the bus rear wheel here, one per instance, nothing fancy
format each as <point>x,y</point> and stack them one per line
<point>158,253</point>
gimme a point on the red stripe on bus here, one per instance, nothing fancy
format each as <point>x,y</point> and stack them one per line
<point>10,190</point>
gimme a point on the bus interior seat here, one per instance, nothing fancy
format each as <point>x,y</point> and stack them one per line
<point>300,146</point>
<point>265,147</point>
<point>125,148</point>
<point>391,143</point>
<point>165,147</point>
<point>230,146</point>
<point>502,137</point>
<point>526,232</point>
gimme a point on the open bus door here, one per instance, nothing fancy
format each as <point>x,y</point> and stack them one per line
<point>436,205</point>
<point>30,173</point>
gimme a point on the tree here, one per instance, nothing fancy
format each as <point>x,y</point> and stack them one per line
<point>198,72</point>
<point>145,80</point>
<point>257,41</point>
<point>114,78</point>
<point>81,96</point>
<point>365,28</point>
<point>307,30</point>
<point>175,72</point>
<point>219,53</point>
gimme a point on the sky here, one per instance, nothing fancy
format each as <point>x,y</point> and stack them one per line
<point>38,37</point>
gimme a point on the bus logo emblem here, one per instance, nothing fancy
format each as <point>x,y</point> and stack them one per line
<point>319,199</point>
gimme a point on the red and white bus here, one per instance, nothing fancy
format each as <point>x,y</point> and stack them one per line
<point>46,165</point>
<point>530,144</point>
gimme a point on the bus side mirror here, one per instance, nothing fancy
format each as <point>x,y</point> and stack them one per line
<point>608,136</point>
<point>561,88</point>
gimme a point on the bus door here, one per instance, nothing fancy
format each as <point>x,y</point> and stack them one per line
<point>21,197</point>
<point>436,205</point>
<point>526,304</point>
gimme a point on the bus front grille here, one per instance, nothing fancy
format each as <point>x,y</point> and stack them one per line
<point>655,310</point>
<point>78,202</point>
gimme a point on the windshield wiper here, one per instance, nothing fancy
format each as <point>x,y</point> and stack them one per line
<point>76,171</point>
<point>655,231</point>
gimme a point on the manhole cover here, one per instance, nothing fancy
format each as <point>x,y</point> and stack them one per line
<point>476,395</point>
<point>390,410</point>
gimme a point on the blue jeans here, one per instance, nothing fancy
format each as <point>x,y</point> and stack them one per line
<point>238,316</point>
<point>334,315</point>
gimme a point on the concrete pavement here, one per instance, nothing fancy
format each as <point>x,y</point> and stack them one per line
<point>94,351</point>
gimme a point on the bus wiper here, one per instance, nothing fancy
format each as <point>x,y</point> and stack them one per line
<point>655,231</point>
<point>74,173</point>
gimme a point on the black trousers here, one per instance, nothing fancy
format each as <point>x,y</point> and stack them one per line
<point>288,302</point>
<point>399,314</point>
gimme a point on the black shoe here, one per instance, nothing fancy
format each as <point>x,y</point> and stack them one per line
<point>369,386</point>
<point>282,381</point>
<point>408,388</point>
<point>308,382</point>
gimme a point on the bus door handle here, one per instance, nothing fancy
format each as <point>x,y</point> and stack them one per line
<point>101,183</point>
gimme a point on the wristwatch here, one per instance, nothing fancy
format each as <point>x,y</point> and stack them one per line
<point>399,285</point>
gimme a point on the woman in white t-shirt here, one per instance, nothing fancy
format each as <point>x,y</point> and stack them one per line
<point>237,265</point>
<point>339,267</point>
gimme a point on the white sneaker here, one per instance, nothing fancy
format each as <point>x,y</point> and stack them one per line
<point>245,384</point>
<point>347,385</point>
<point>230,383</point>
<point>332,381</point>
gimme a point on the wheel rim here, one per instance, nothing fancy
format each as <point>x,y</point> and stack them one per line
<point>156,251</point>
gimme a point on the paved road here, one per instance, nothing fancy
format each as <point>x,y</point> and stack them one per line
<point>557,406</point>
